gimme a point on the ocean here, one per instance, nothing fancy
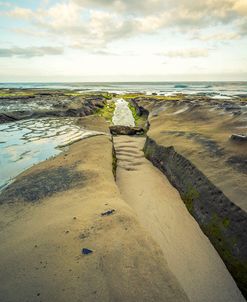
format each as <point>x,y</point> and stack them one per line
<point>224,90</point>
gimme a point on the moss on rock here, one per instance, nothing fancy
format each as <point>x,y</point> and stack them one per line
<point>189,196</point>
<point>107,111</point>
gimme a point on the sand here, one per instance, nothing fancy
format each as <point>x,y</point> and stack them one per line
<point>159,208</point>
<point>41,241</point>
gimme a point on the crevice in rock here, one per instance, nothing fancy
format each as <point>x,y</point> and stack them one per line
<point>223,222</point>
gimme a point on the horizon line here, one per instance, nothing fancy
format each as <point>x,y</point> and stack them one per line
<point>119,82</point>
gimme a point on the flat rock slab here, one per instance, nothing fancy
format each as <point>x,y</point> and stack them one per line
<point>41,184</point>
<point>126,130</point>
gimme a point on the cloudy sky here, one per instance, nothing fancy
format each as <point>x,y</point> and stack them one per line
<point>123,40</point>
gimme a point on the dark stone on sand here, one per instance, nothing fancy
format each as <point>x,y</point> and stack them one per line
<point>107,213</point>
<point>239,137</point>
<point>86,251</point>
<point>230,106</point>
<point>5,118</point>
<point>126,130</point>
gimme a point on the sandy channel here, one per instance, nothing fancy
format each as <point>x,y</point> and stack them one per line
<point>158,205</point>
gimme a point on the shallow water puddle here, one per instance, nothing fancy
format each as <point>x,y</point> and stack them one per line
<point>122,114</point>
<point>25,143</point>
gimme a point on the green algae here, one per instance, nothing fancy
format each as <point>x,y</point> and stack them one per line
<point>129,96</point>
<point>148,150</point>
<point>189,196</point>
<point>139,119</point>
<point>134,113</point>
<point>152,97</point>
<point>224,244</point>
<point>107,111</point>
<point>107,95</point>
<point>226,222</point>
<point>15,94</point>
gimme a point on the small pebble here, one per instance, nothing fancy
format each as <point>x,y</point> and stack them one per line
<point>108,212</point>
<point>86,251</point>
<point>74,218</point>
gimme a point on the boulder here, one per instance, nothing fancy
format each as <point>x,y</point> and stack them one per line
<point>4,118</point>
<point>239,137</point>
<point>126,130</point>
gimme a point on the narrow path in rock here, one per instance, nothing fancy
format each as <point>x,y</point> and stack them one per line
<point>159,207</point>
<point>122,114</point>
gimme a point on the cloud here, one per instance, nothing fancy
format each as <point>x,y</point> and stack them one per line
<point>221,36</point>
<point>240,6</point>
<point>124,6</point>
<point>20,13</point>
<point>186,53</point>
<point>30,51</point>
<point>210,9</point>
<point>94,24</point>
<point>243,27</point>
<point>62,15</point>
<point>65,20</point>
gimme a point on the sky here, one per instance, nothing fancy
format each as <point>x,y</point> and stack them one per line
<point>117,40</point>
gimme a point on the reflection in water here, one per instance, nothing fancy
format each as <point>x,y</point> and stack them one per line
<point>28,142</point>
<point>23,105</point>
<point>122,114</point>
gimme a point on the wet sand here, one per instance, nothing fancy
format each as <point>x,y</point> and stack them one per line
<point>159,208</point>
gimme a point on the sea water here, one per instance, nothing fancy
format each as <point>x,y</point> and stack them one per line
<point>221,90</point>
<point>28,142</point>
<point>122,114</point>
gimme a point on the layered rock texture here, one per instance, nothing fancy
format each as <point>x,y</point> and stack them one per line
<point>37,104</point>
<point>189,141</point>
